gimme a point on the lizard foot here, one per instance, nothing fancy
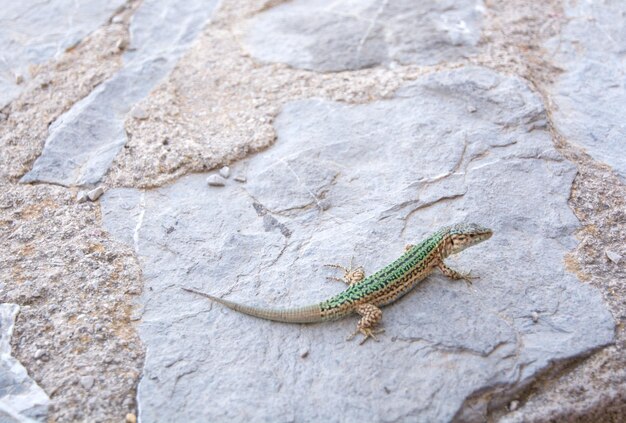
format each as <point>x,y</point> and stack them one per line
<point>368,333</point>
<point>370,316</point>
<point>351,274</point>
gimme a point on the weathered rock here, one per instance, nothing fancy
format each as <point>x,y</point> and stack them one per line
<point>95,193</point>
<point>613,256</point>
<point>339,35</point>
<point>32,33</point>
<point>590,95</point>
<point>21,399</point>
<point>215,181</point>
<point>225,172</point>
<point>91,133</point>
<point>365,180</point>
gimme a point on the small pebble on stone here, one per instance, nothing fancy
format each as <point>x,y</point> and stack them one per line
<point>19,79</point>
<point>513,405</point>
<point>94,194</point>
<point>81,197</point>
<point>535,316</point>
<point>117,19</point>
<point>139,113</point>
<point>240,178</point>
<point>215,181</point>
<point>225,172</point>
<point>613,256</point>
<point>131,418</point>
<point>471,108</point>
<point>304,353</point>
<point>87,382</point>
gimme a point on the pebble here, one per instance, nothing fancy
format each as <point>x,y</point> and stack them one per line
<point>131,418</point>
<point>94,194</point>
<point>535,316</point>
<point>513,405</point>
<point>304,353</point>
<point>613,256</point>
<point>81,197</point>
<point>471,109</point>
<point>216,181</point>
<point>41,355</point>
<point>19,79</point>
<point>225,172</point>
<point>139,113</point>
<point>117,19</point>
<point>240,178</point>
<point>87,382</point>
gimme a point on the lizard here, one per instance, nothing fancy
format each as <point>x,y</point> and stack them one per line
<point>365,295</point>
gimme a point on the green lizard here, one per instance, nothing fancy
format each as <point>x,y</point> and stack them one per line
<point>365,295</point>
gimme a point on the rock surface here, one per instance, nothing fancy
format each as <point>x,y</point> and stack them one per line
<point>591,50</point>
<point>21,399</point>
<point>364,180</point>
<point>326,35</point>
<point>92,131</point>
<point>32,33</point>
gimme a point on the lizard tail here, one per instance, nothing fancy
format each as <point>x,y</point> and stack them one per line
<point>308,314</point>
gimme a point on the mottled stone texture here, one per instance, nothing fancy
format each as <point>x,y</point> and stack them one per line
<point>590,95</point>
<point>326,35</point>
<point>363,180</point>
<point>34,32</point>
<point>21,399</point>
<point>84,141</point>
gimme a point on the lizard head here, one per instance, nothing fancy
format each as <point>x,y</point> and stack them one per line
<point>465,235</point>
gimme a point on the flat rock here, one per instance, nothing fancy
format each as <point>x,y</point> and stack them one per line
<point>590,49</point>
<point>327,35</point>
<point>34,32</point>
<point>21,399</point>
<point>83,141</point>
<point>364,180</point>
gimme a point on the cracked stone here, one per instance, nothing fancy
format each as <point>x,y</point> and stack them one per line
<point>590,50</point>
<point>394,171</point>
<point>92,131</point>
<point>33,33</point>
<point>21,399</point>
<point>340,35</point>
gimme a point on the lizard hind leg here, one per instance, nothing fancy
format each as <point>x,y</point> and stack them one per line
<point>351,275</point>
<point>371,315</point>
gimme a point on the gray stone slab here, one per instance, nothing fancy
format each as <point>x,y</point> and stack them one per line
<point>590,95</point>
<point>364,180</point>
<point>21,399</point>
<point>326,35</point>
<point>34,32</point>
<point>84,141</point>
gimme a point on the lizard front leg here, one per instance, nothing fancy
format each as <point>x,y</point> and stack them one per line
<point>453,274</point>
<point>371,315</point>
<point>351,274</point>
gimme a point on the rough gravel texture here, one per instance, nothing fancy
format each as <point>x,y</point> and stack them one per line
<point>218,106</point>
